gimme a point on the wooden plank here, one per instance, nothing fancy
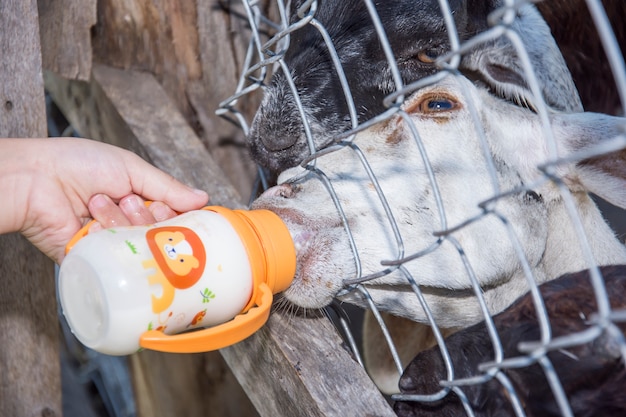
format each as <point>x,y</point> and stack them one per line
<point>65,28</point>
<point>130,109</point>
<point>297,366</point>
<point>155,36</point>
<point>22,106</point>
<point>223,36</point>
<point>190,385</point>
<point>30,374</point>
<point>30,379</point>
<point>193,49</point>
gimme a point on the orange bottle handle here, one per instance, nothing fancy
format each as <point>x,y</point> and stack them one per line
<point>84,231</point>
<point>217,337</point>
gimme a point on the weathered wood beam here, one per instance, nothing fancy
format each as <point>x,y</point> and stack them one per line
<point>65,29</point>
<point>297,366</point>
<point>130,109</point>
<point>30,378</point>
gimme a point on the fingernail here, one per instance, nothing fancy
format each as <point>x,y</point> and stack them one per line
<point>95,227</point>
<point>200,192</point>
<point>159,211</point>
<point>203,194</point>
<point>99,200</point>
<point>132,204</point>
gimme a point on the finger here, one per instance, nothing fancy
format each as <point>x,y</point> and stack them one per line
<point>156,185</point>
<point>161,211</point>
<point>106,212</point>
<point>95,227</point>
<point>135,210</point>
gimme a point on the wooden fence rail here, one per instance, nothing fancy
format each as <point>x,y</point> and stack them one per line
<point>147,75</point>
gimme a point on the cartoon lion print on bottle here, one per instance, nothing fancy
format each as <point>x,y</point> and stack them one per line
<point>179,260</point>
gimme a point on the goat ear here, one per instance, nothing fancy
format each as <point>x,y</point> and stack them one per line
<point>497,63</point>
<point>604,174</point>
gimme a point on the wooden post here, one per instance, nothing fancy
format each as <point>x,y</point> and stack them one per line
<point>30,382</point>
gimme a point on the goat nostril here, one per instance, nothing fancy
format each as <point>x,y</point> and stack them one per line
<point>279,143</point>
<point>286,190</point>
<point>282,190</point>
<point>407,383</point>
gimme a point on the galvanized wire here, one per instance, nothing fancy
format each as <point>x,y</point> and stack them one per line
<point>266,54</point>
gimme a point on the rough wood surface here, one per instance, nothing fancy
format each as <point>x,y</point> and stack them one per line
<point>157,36</point>
<point>298,366</point>
<point>30,382</point>
<point>22,106</point>
<point>30,378</point>
<point>65,28</point>
<point>130,109</point>
<point>191,385</point>
<point>194,50</point>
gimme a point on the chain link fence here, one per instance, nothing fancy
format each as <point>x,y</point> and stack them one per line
<point>493,367</point>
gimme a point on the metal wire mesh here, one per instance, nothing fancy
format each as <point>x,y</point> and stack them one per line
<point>269,41</point>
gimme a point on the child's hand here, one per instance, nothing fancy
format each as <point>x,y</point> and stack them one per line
<point>130,210</point>
<point>50,188</point>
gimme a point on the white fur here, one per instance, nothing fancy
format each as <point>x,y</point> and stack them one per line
<point>516,145</point>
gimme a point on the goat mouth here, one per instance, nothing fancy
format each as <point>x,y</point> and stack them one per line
<point>302,240</point>
<point>304,229</point>
<point>301,227</point>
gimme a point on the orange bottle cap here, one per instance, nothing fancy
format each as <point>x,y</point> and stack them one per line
<point>280,252</point>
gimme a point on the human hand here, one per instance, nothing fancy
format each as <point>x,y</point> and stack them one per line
<point>130,210</point>
<point>57,185</point>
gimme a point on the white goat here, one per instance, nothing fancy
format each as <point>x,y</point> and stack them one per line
<point>515,145</point>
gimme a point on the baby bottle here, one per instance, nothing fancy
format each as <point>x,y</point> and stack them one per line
<point>133,287</point>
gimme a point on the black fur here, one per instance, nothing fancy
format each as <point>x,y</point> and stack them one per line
<point>416,29</point>
<point>592,374</point>
<point>576,35</point>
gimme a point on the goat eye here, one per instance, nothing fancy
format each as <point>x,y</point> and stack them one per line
<point>427,56</point>
<point>437,105</point>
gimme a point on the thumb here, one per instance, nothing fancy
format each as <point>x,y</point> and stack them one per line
<point>153,184</point>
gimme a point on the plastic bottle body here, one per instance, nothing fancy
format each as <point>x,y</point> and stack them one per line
<point>190,271</point>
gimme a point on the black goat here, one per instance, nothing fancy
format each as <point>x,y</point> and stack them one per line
<point>592,374</point>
